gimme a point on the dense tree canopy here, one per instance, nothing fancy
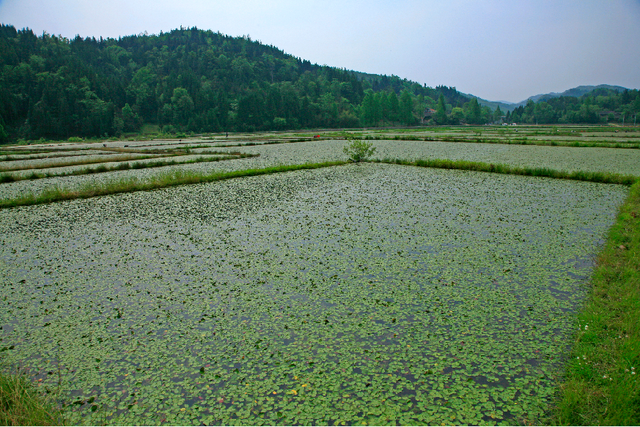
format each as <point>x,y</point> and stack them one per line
<point>187,80</point>
<point>599,106</point>
<point>201,81</point>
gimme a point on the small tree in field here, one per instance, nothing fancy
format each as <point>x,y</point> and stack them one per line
<point>357,149</point>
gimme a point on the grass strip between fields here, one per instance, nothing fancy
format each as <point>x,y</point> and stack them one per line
<point>5,178</point>
<point>601,384</point>
<point>114,159</point>
<point>601,177</point>
<point>515,141</point>
<point>163,180</point>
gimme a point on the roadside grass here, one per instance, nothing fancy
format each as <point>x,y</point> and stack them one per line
<point>163,180</point>
<point>21,403</point>
<point>601,384</point>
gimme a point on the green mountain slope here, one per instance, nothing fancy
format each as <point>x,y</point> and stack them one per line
<point>188,80</point>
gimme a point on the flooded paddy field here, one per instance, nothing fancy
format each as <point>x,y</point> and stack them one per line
<point>371,293</point>
<point>591,159</point>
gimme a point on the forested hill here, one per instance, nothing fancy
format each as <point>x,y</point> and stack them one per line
<point>189,80</point>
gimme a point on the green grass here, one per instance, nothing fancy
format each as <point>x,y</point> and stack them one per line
<point>517,140</point>
<point>21,403</point>
<point>601,384</point>
<point>77,163</point>
<point>149,128</point>
<point>127,185</point>
<point>602,177</point>
<point>6,177</point>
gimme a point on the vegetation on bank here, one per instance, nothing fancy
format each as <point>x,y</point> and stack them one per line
<point>163,180</point>
<point>4,178</point>
<point>601,386</point>
<point>515,141</point>
<point>113,159</point>
<point>601,177</point>
<point>357,149</point>
<point>22,404</point>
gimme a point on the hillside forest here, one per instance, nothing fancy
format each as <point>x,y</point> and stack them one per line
<point>191,80</point>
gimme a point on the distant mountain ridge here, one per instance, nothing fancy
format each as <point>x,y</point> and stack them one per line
<point>575,92</point>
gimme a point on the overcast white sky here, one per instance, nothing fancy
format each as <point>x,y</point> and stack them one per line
<point>495,49</point>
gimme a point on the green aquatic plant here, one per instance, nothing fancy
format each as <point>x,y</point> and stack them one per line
<point>339,295</point>
<point>171,178</point>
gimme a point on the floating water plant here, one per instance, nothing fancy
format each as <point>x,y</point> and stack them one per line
<point>378,294</point>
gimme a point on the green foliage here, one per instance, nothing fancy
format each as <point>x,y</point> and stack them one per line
<point>194,80</point>
<point>457,115</point>
<point>201,81</point>
<point>357,149</point>
<point>473,113</point>
<point>601,385</point>
<point>3,134</point>
<point>406,108</point>
<point>182,106</point>
<point>168,129</point>
<point>129,118</point>
<point>22,404</point>
<point>441,112</point>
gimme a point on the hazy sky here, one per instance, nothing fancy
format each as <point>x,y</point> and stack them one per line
<point>495,49</point>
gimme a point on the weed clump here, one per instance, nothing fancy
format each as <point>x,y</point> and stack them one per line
<point>21,404</point>
<point>357,149</point>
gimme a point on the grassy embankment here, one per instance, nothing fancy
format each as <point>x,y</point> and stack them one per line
<point>601,386</point>
<point>122,158</point>
<point>21,403</point>
<point>515,141</point>
<point>4,178</point>
<point>163,180</point>
<point>601,177</point>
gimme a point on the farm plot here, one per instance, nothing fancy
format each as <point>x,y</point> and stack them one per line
<point>373,293</point>
<point>624,162</point>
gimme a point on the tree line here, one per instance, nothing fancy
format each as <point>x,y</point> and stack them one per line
<point>598,106</point>
<point>192,80</point>
<point>188,80</point>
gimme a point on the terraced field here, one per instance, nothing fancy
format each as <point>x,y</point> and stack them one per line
<point>364,293</point>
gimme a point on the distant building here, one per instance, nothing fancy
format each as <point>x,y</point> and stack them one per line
<point>428,114</point>
<point>610,115</point>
